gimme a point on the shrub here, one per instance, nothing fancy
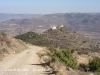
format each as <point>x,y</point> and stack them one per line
<point>34,39</point>
<point>94,65</point>
<point>65,56</point>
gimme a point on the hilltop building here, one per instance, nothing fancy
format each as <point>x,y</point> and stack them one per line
<point>54,27</point>
<point>61,26</point>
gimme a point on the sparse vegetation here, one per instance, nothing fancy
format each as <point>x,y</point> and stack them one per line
<point>9,45</point>
<point>34,39</point>
<point>65,38</point>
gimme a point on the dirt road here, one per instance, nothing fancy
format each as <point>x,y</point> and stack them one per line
<point>24,63</point>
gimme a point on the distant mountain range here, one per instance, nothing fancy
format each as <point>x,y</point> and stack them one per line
<point>5,16</point>
<point>84,23</point>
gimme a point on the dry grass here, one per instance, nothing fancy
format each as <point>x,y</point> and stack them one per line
<point>58,68</point>
<point>10,45</point>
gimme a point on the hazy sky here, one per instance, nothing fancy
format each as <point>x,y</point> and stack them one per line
<point>49,6</point>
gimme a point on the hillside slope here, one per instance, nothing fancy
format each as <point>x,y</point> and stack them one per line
<point>10,45</point>
<point>65,38</point>
<point>35,39</point>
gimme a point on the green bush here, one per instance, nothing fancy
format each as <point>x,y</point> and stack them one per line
<point>65,56</point>
<point>94,65</point>
<point>34,39</point>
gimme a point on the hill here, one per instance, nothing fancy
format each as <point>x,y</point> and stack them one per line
<point>65,38</point>
<point>61,37</point>
<point>83,23</point>
<point>34,39</point>
<point>9,45</point>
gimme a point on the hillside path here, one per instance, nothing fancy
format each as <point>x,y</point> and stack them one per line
<point>24,63</point>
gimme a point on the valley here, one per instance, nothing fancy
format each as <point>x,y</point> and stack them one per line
<point>87,24</point>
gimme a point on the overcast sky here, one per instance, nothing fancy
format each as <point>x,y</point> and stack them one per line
<point>49,6</point>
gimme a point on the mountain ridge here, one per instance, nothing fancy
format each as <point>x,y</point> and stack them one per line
<point>7,16</point>
<point>66,38</point>
<point>83,23</point>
